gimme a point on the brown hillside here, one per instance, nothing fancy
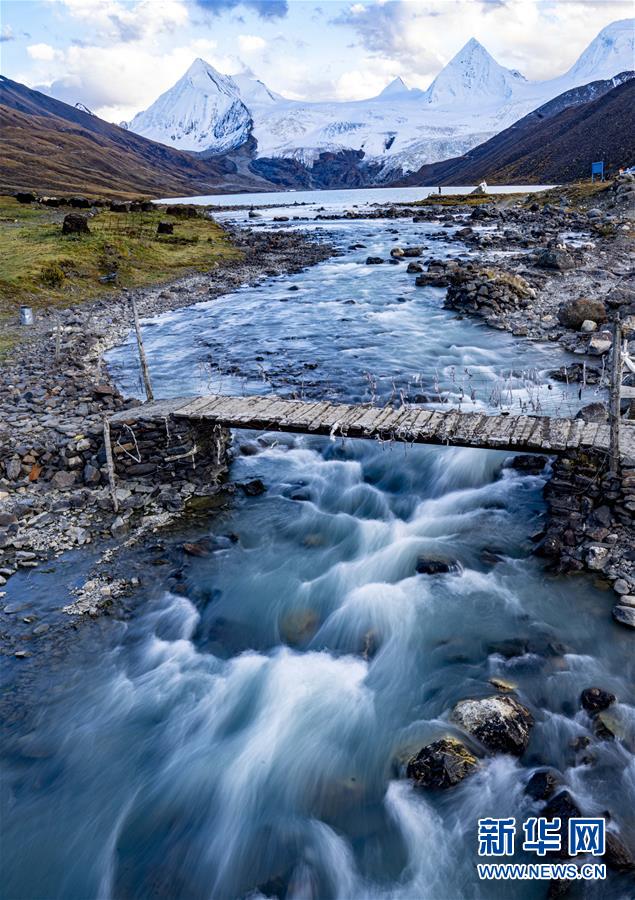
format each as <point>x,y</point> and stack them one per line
<point>51,147</point>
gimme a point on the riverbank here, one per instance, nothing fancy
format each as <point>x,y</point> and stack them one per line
<point>56,393</point>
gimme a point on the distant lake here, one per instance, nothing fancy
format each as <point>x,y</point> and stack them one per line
<point>358,196</point>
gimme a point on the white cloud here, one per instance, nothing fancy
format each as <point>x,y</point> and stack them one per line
<point>251,43</point>
<point>540,38</point>
<point>42,52</point>
<point>121,21</point>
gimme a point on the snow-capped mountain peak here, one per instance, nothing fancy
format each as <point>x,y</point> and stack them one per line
<point>612,51</point>
<point>396,87</point>
<point>202,111</point>
<point>473,75</point>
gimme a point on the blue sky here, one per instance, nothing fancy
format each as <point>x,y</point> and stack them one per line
<point>117,56</point>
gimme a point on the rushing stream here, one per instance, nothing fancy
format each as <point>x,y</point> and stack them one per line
<point>242,732</point>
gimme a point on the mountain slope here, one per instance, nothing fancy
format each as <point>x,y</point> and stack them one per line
<point>49,146</point>
<point>554,144</point>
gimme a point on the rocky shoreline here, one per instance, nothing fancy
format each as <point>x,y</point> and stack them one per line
<point>55,394</point>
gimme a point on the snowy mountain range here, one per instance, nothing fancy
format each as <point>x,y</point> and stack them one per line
<point>470,100</point>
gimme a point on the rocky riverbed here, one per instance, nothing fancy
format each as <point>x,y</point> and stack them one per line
<point>55,395</point>
<point>543,270</point>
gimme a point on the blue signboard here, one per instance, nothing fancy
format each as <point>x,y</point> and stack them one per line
<point>597,168</point>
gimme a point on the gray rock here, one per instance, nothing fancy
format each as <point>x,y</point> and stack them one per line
<point>559,260</point>
<point>501,723</point>
<point>63,480</point>
<point>13,469</point>
<point>91,474</point>
<point>625,615</point>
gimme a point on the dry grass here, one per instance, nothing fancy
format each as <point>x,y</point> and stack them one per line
<point>466,199</point>
<point>578,195</point>
<point>41,267</point>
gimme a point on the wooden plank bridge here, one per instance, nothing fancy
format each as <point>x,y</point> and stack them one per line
<point>407,424</point>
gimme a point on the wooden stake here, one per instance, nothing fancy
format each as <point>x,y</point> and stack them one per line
<point>58,341</point>
<point>111,467</point>
<point>142,354</point>
<point>615,396</point>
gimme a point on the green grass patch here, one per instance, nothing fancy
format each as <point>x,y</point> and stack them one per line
<point>41,267</point>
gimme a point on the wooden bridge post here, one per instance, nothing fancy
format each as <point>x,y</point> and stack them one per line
<point>615,396</point>
<point>142,354</point>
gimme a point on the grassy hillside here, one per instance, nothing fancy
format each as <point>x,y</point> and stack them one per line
<point>39,266</point>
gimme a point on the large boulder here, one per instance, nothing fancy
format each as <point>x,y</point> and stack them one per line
<point>75,223</point>
<point>574,313</point>
<point>558,260</point>
<point>500,723</point>
<point>441,764</point>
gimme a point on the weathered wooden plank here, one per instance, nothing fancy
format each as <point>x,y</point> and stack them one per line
<point>558,433</point>
<point>522,430</point>
<point>602,438</point>
<point>575,432</point>
<point>403,415</point>
<point>536,437</point>
<point>369,417</point>
<point>445,429</point>
<point>251,409</point>
<point>390,419</point>
<point>217,409</point>
<point>385,413</point>
<point>272,414</point>
<point>427,432</point>
<point>467,428</point>
<point>193,409</point>
<point>488,428</point>
<point>587,438</point>
<point>499,434</point>
<point>423,416</point>
<point>302,418</point>
<point>332,415</point>
<point>406,426</point>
